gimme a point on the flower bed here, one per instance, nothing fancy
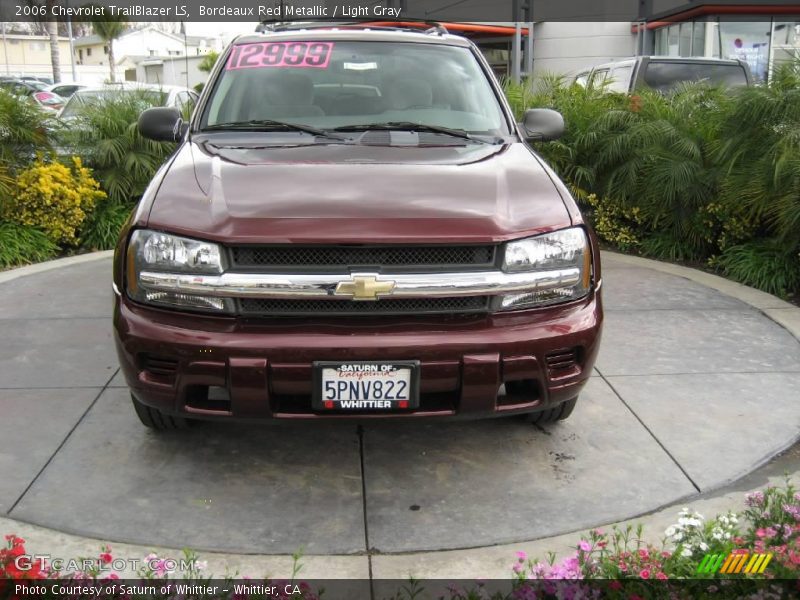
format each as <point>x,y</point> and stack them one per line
<point>730,555</point>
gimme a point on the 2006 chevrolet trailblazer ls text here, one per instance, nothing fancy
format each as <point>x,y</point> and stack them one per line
<point>353,225</point>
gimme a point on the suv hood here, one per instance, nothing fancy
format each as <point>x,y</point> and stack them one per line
<point>357,193</point>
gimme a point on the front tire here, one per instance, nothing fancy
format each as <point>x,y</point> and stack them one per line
<point>552,415</point>
<point>156,420</point>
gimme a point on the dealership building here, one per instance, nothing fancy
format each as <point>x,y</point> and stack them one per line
<point>763,34</point>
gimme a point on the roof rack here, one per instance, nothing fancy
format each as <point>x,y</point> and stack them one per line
<point>433,27</point>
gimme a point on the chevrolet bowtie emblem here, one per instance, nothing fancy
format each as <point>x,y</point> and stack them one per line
<point>364,287</point>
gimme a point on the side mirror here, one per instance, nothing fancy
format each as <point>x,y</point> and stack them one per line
<point>542,125</point>
<point>162,124</point>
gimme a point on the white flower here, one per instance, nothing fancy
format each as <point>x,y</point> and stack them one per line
<point>686,552</point>
<point>670,531</point>
<point>703,546</point>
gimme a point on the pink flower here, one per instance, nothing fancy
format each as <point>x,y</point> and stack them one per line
<point>644,574</point>
<point>585,546</point>
<point>643,553</point>
<point>516,567</point>
<point>661,575</point>
<point>105,558</point>
<point>522,556</point>
<point>754,499</point>
<point>770,532</point>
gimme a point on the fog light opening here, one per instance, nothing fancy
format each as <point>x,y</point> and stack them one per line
<point>204,397</point>
<point>523,391</point>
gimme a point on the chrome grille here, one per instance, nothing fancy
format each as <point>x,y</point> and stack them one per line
<point>255,307</point>
<point>300,258</point>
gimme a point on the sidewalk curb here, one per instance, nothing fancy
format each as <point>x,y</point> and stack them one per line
<point>784,313</point>
<point>53,264</point>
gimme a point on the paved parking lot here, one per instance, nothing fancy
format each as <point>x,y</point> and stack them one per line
<point>693,389</point>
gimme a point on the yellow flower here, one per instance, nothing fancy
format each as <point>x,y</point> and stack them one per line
<point>54,198</point>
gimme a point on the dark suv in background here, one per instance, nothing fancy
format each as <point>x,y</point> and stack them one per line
<point>664,73</point>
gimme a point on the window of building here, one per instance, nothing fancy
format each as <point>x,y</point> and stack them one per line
<point>37,46</point>
<point>105,49</point>
<point>747,41</point>
<point>685,39</point>
<point>673,45</point>
<point>88,52</point>
<point>785,43</point>
<point>80,54</point>
<point>699,39</point>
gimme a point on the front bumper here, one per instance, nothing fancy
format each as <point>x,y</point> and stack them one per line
<point>471,366</point>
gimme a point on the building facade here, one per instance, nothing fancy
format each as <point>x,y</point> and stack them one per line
<point>145,42</point>
<point>22,54</point>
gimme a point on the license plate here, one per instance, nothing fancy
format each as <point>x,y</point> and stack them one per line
<point>357,386</point>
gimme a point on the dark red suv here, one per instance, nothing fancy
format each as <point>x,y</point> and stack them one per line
<point>353,225</point>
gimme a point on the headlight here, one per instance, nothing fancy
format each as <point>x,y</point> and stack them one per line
<point>565,254</point>
<point>161,252</point>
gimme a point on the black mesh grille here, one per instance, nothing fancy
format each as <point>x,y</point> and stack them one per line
<point>343,257</point>
<point>257,307</point>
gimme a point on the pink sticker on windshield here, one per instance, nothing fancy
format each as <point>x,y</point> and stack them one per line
<point>295,55</point>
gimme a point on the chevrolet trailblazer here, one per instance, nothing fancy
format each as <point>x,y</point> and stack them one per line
<point>353,225</point>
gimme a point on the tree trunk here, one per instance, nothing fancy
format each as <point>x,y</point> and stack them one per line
<point>111,65</point>
<point>55,58</point>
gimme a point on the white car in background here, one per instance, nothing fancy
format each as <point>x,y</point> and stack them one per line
<point>182,98</point>
<point>65,89</point>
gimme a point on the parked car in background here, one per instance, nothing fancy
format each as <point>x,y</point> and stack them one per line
<point>65,89</point>
<point>174,96</point>
<point>39,78</point>
<point>665,73</point>
<point>34,90</point>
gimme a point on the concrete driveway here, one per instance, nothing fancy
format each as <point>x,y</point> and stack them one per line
<point>693,388</point>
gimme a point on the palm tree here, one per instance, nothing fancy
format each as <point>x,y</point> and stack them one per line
<point>52,31</point>
<point>110,30</point>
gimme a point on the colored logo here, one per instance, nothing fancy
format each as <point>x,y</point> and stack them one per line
<point>364,287</point>
<point>738,561</point>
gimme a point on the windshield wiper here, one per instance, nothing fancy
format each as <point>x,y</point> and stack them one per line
<point>271,125</point>
<point>412,126</point>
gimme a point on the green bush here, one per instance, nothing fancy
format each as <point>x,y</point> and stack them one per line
<point>106,136</point>
<point>102,228</point>
<point>760,149</point>
<point>701,174</point>
<point>573,155</point>
<point>765,264</point>
<point>22,244</point>
<point>24,133</point>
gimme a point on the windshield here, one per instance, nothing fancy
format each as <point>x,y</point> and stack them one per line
<point>329,85</point>
<point>78,100</point>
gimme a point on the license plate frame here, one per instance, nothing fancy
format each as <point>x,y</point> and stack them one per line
<point>319,402</point>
